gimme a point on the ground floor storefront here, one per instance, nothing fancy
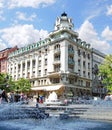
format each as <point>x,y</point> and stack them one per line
<point>62,91</point>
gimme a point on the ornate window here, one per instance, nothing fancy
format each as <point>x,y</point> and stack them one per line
<point>70,48</point>
<point>57,47</point>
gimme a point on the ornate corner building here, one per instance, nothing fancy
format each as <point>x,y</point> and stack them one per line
<point>62,62</point>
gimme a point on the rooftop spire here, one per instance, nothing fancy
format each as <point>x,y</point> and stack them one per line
<point>63,22</point>
<point>63,14</point>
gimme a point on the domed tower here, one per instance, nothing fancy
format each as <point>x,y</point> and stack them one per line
<point>63,22</point>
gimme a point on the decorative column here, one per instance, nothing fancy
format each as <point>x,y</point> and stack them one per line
<point>26,66</point>
<point>86,60</point>
<point>9,70</point>
<point>36,66</point>
<point>42,65</point>
<point>81,60</point>
<point>64,57</point>
<point>76,61</point>
<point>16,70</point>
<point>13,70</point>
<point>31,69</point>
<point>21,69</point>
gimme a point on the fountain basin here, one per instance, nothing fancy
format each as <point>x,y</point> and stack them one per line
<point>53,102</point>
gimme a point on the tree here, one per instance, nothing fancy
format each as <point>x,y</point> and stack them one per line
<point>106,73</point>
<point>23,85</point>
<point>6,82</point>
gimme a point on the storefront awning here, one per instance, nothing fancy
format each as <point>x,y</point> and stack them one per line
<point>47,88</point>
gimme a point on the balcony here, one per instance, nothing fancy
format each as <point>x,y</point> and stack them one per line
<point>70,52</point>
<point>70,61</point>
<point>33,76</point>
<point>57,61</point>
<point>57,51</point>
<point>54,73</point>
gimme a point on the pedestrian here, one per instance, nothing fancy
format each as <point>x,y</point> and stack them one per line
<point>11,97</point>
<point>0,98</point>
<point>36,102</point>
<point>22,97</point>
<point>41,99</point>
<point>4,96</point>
<point>65,102</point>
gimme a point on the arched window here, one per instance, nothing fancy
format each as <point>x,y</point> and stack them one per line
<point>70,47</point>
<point>57,47</point>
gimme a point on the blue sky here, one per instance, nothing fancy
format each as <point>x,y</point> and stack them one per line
<point>23,22</point>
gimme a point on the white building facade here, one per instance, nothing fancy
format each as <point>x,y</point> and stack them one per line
<point>62,62</point>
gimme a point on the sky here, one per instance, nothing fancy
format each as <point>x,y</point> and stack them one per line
<point>23,22</point>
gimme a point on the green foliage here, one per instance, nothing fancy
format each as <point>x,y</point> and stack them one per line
<point>23,85</point>
<point>106,72</point>
<point>8,84</point>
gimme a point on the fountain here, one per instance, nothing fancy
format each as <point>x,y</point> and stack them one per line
<point>53,99</point>
<point>20,117</point>
<point>12,111</point>
<point>54,124</point>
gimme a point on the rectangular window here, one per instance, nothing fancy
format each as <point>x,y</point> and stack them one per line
<point>45,71</point>
<point>45,51</point>
<point>79,72</point>
<point>33,63</point>
<point>39,63</point>
<point>79,62</point>
<point>88,65</point>
<point>39,72</point>
<point>84,64</point>
<point>84,55</point>
<point>87,84</point>
<point>79,52</point>
<point>84,73</point>
<point>45,61</point>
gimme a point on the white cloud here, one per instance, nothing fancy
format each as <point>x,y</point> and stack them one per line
<point>1,4</point>
<point>109,10</point>
<point>2,45</point>
<point>2,18</point>
<point>25,17</point>
<point>107,34</point>
<point>22,35</point>
<point>1,10</point>
<point>89,34</point>
<point>29,3</point>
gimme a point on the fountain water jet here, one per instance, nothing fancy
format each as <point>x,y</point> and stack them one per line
<point>53,99</point>
<point>17,111</point>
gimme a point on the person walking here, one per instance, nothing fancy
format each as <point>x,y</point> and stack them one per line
<point>4,96</point>
<point>0,98</point>
<point>11,97</point>
<point>37,102</point>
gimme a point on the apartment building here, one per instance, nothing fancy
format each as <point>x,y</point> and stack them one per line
<point>3,58</point>
<point>98,88</point>
<point>62,62</point>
